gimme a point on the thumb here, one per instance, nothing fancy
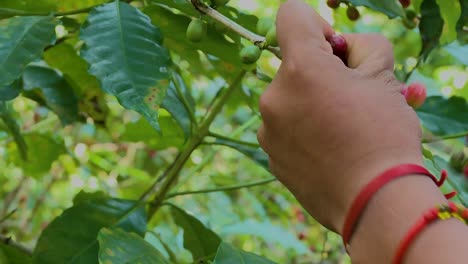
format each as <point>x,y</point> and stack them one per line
<point>371,54</point>
<point>299,26</point>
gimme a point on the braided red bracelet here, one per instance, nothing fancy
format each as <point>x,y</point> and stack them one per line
<point>361,201</point>
<point>443,212</point>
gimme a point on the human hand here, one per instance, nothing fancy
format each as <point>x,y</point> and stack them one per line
<point>329,129</point>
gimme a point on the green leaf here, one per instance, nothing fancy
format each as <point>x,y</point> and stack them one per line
<point>227,254</point>
<point>124,52</point>
<point>74,5</point>
<point>64,58</point>
<point>22,40</point>
<point>119,247</point>
<point>199,240</point>
<point>181,5</point>
<point>30,5</point>
<point>254,153</point>
<point>72,237</point>
<point>174,105</point>
<point>430,26</point>
<point>53,90</point>
<point>248,21</point>
<point>388,7</point>
<point>462,23</point>
<point>86,197</point>
<point>450,12</point>
<point>42,152</point>
<point>11,91</point>
<point>11,255</point>
<point>6,114</point>
<point>444,116</point>
<point>75,71</point>
<point>268,232</point>
<point>141,131</point>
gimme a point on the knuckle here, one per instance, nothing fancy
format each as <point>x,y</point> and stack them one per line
<point>266,105</point>
<point>390,81</point>
<point>291,67</point>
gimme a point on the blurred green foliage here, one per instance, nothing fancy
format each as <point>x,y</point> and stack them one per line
<point>70,146</point>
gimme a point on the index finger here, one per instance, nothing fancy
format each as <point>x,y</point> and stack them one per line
<point>299,27</point>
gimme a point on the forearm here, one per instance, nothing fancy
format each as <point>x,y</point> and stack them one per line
<point>392,212</point>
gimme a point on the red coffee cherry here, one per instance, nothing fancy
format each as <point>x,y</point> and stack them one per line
<point>405,3</point>
<point>415,94</point>
<point>301,236</point>
<point>352,13</point>
<point>339,45</point>
<point>465,172</point>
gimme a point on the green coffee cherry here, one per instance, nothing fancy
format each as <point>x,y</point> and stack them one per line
<point>410,21</point>
<point>250,54</point>
<point>271,39</point>
<point>409,24</point>
<point>264,25</point>
<point>220,28</point>
<point>196,30</point>
<point>410,14</point>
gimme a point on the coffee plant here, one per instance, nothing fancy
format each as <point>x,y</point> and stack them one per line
<point>128,128</point>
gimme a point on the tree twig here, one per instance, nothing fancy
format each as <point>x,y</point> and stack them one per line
<point>4,218</point>
<point>40,200</point>
<point>210,155</point>
<point>324,247</point>
<point>172,174</point>
<point>429,138</point>
<point>240,142</point>
<point>12,195</point>
<point>9,241</point>
<point>245,33</point>
<point>14,12</point>
<point>223,189</point>
<point>185,103</point>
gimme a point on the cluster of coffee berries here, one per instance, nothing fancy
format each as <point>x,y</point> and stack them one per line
<point>415,94</point>
<point>352,12</point>
<point>265,27</point>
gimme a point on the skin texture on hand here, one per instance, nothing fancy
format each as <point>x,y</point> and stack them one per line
<point>329,129</point>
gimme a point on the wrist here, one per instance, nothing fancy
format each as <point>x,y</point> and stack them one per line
<point>363,172</point>
<point>389,215</point>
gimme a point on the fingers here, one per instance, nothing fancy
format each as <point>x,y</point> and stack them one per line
<point>299,27</point>
<point>371,54</point>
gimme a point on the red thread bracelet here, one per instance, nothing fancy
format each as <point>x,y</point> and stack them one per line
<point>361,201</point>
<point>442,212</point>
